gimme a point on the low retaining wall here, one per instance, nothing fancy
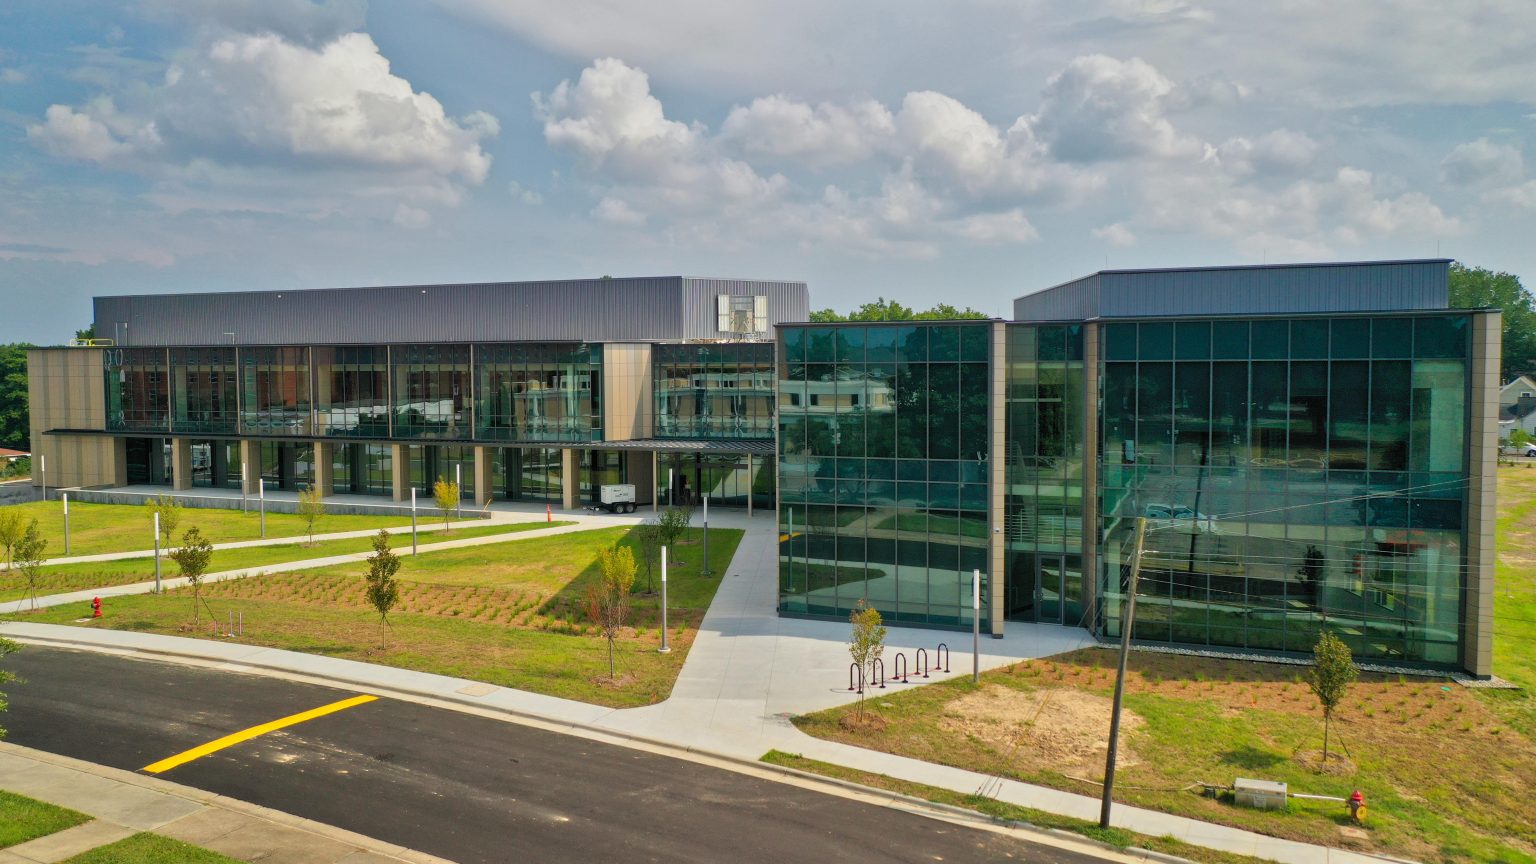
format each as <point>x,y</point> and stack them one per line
<point>274,505</point>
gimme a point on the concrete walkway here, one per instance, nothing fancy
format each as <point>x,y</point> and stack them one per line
<point>123,803</point>
<point>746,673</point>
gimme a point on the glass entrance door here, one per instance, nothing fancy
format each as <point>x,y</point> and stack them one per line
<point>1049,588</point>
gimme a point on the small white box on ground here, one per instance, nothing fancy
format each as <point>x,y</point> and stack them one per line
<point>1260,794</point>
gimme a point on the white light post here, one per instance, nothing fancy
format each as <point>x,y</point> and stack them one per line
<point>413,520</point>
<point>245,483</point>
<point>42,465</point>
<point>664,649</point>
<point>65,497</point>
<point>157,553</point>
<point>704,569</point>
<point>671,485</point>
<point>976,626</point>
<point>261,490</point>
<point>458,486</point>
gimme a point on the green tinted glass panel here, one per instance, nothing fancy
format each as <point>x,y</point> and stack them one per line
<point>1271,339</point>
<point>1192,340</point>
<point>1352,338</point>
<point>1309,339</point>
<point>1120,342</point>
<point>1156,341</point>
<point>1229,340</point>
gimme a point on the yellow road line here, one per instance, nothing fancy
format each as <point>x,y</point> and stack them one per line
<point>253,732</point>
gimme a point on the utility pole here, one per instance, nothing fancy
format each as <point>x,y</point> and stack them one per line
<point>1127,620</point>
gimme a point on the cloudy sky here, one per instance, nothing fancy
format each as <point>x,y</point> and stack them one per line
<point>965,151</point>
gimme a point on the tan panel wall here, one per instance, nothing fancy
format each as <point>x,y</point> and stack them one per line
<point>1090,466</point>
<point>626,395</point>
<point>483,466</point>
<point>1482,467</point>
<point>640,470</point>
<point>181,464</point>
<point>999,446</point>
<point>570,478</point>
<point>325,468</point>
<point>67,390</point>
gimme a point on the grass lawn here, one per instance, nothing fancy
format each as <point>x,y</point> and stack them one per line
<point>150,849</point>
<point>508,614</point>
<point>1009,812</point>
<point>99,528</point>
<point>58,578</point>
<point>1449,772</point>
<point>23,819</point>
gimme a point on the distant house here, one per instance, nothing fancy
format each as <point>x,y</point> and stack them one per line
<point>9,457</point>
<point>1511,393</point>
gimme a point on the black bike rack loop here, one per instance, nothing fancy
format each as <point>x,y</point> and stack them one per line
<point>899,669</point>
<point>921,664</point>
<point>877,673</point>
<point>855,670</point>
<point>941,657</point>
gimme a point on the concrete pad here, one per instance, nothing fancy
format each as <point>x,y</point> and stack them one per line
<point>276,844</point>
<point>71,842</point>
<point>205,825</point>
<point>361,857</point>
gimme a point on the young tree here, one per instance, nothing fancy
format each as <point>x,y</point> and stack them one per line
<point>383,589</point>
<point>867,642</point>
<point>12,526</point>
<point>608,598</point>
<point>6,647</point>
<point>311,509</point>
<point>192,558</point>
<point>29,557</point>
<point>671,524</point>
<point>1333,671</point>
<point>445,494</point>
<point>647,537</point>
<point>170,514</point>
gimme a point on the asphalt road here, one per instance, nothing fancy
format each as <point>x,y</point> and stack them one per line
<point>459,786</point>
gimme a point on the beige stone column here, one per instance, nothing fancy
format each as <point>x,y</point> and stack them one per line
<point>483,465</point>
<point>570,478</point>
<point>1090,497</point>
<point>1482,475</point>
<point>181,464</point>
<point>400,471</point>
<point>997,413</point>
<point>250,457</point>
<point>325,468</point>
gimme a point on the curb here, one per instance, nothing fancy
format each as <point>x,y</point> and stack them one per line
<point>944,812</point>
<point>210,799</point>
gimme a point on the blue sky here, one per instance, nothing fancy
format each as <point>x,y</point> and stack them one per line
<point>967,152</point>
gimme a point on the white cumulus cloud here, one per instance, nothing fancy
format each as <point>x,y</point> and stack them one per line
<point>1482,163</point>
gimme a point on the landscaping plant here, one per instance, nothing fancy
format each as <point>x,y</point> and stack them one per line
<point>608,598</point>
<point>192,557</point>
<point>12,526</point>
<point>311,509</point>
<point>647,538</point>
<point>170,514</point>
<point>383,589</point>
<point>29,557</point>
<point>6,647</point>
<point>445,494</point>
<point>1333,671</point>
<point>867,642</point>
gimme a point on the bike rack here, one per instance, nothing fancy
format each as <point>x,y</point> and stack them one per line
<point>900,669</point>
<point>877,673</point>
<point>941,657</point>
<point>855,669</point>
<point>921,665</point>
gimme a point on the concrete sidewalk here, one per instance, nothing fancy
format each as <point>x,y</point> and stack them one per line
<point>747,672</point>
<point>123,804</point>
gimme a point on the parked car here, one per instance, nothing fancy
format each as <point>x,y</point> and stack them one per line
<point>1527,450</point>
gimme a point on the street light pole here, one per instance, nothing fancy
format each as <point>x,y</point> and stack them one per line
<point>458,487</point>
<point>42,464</point>
<point>976,626</point>
<point>413,520</point>
<point>65,497</point>
<point>1125,653</point>
<point>664,649</point>
<point>261,489</point>
<point>704,569</point>
<point>157,552</point>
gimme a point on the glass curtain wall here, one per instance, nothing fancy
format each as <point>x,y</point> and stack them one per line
<point>352,391</point>
<point>715,390</point>
<point>1292,473</point>
<point>275,391</point>
<point>1043,469</point>
<point>450,462</point>
<point>148,461</point>
<point>204,390</point>
<point>431,391</point>
<point>883,452</point>
<point>286,465</point>
<point>216,464</point>
<point>362,469</point>
<point>538,392</point>
<point>526,473</point>
<point>138,389</point>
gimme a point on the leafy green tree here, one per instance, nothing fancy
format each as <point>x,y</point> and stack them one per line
<point>1333,670</point>
<point>15,427</point>
<point>647,537</point>
<point>1476,288</point>
<point>29,558</point>
<point>671,524</point>
<point>608,596</point>
<point>445,494</point>
<point>311,509</point>
<point>170,514</point>
<point>383,589</point>
<point>867,642</point>
<point>12,526</point>
<point>193,557</point>
<point>87,333</point>
<point>891,310</point>
<point>6,647</point>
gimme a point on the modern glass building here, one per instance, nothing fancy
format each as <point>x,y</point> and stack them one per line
<point>1309,445</point>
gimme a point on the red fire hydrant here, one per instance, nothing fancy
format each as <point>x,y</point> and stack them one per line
<point>1357,807</point>
<point>95,607</point>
